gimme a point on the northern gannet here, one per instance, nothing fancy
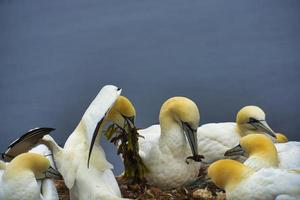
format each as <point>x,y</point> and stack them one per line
<point>24,144</point>
<point>262,153</point>
<point>95,181</point>
<point>19,177</point>
<point>243,183</point>
<point>214,139</point>
<point>165,147</point>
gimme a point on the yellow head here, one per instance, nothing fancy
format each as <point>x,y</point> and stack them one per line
<point>227,174</point>
<point>181,112</point>
<point>252,119</point>
<point>260,146</point>
<point>121,108</point>
<point>281,138</point>
<point>33,162</point>
<point>178,110</point>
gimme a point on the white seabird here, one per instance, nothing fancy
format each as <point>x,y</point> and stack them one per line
<point>19,178</point>
<point>262,153</point>
<point>97,180</point>
<point>243,183</point>
<point>214,139</point>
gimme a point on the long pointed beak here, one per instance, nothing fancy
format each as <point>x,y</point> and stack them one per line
<point>192,138</point>
<point>235,151</point>
<point>93,140</point>
<point>52,173</point>
<point>264,127</point>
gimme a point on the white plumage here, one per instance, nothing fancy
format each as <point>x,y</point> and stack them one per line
<point>214,139</point>
<point>289,155</point>
<point>168,168</point>
<point>165,148</point>
<point>268,184</point>
<point>19,179</point>
<point>97,181</point>
<point>48,189</point>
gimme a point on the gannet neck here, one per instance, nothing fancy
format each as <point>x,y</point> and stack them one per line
<point>2,165</point>
<point>227,174</point>
<point>51,144</point>
<point>172,136</point>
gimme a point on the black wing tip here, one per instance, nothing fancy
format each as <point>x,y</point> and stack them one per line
<point>42,129</point>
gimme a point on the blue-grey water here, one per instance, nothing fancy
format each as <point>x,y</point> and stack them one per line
<point>56,55</point>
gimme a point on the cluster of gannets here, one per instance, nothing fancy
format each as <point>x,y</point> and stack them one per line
<point>93,180</point>
<point>243,183</point>
<point>262,153</point>
<point>19,178</point>
<point>214,139</point>
<point>165,147</point>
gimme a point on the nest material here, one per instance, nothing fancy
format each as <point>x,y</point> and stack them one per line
<point>200,190</point>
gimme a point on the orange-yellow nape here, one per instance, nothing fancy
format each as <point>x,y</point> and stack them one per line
<point>122,107</point>
<point>34,162</point>
<point>227,173</point>
<point>179,109</point>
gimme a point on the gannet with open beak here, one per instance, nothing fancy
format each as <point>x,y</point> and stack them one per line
<point>19,177</point>
<point>262,153</point>
<point>214,139</point>
<point>243,183</point>
<point>93,180</point>
<point>165,147</point>
<point>24,144</point>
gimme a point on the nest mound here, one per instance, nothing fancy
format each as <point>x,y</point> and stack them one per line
<point>199,190</point>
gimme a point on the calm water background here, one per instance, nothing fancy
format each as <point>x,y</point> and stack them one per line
<point>56,55</point>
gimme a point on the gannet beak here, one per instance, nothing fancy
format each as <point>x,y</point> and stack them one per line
<point>94,139</point>
<point>52,173</point>
<point>263,126</point>
<point>191,135</point>
<point>129,120</point>
<point>235,151</point>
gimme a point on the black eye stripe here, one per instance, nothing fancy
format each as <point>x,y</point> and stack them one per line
<point>189,126</point>
<point>253,120</point>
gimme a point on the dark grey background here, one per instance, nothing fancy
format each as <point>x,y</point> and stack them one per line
<point>56,55</point>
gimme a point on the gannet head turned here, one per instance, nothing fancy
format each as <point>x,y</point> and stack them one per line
<point>122,109</point>
<point>252,119</point>
<point>33,162</point>
<point>257,145</point>
<point>184,112</point>
<point>281,138</point>
<point>227,174</point>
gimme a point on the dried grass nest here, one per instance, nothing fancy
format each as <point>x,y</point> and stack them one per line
<point>202,191</point>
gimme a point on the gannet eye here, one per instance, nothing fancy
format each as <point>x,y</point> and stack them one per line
<point>119,89</point>
<point>253,120</point>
